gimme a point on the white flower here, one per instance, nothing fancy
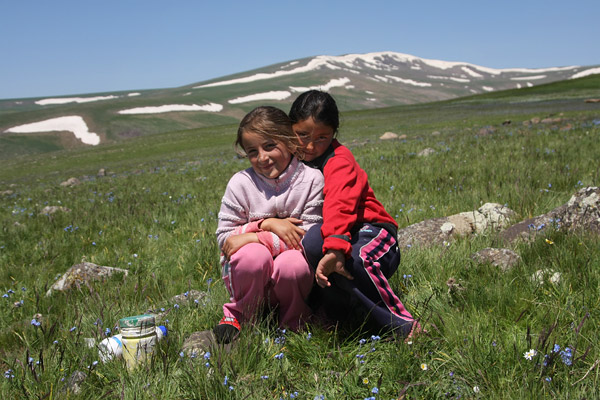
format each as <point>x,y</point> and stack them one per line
<point>530,354</point>
<point>424,367</point>
<point>476,389</point>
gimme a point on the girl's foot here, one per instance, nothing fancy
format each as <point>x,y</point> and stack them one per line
<point>227,330</point>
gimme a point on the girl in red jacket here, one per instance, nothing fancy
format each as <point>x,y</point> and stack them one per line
<point>354,252</point>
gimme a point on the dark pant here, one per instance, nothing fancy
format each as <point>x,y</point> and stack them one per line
<point>368,297</point>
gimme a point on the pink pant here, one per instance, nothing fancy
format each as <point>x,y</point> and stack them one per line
<point>255,278</point>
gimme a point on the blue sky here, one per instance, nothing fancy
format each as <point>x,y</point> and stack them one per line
<point>52,48</point>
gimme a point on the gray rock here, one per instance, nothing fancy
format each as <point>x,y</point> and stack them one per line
<point>505,259</point>
<point>49,210</point>
<point>74,382</point>
<point>389,136</point>
<point>70,182</point>
<point>426,152</point>
<point>83,273</point>
<point>489,217</point>
<point>198,343</point>
<point>187,297</point>
<point>580,213</point>
<point>6,193</point>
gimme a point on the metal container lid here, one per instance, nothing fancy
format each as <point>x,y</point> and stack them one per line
<point>137,321</point>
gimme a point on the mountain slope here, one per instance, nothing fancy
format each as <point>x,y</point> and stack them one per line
<point>358,81</point>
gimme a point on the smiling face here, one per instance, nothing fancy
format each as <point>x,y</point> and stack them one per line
<point>315,137</point>
<point>268,157</point>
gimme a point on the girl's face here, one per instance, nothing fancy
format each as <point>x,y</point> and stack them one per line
<point>268,157</point>
<point>315,137</point>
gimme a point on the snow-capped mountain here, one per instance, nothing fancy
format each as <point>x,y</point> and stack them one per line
<point>357,81</point>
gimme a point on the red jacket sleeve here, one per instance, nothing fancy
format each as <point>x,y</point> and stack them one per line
<point>345,185</point>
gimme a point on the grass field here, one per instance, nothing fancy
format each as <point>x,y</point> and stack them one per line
<point>505,336</point>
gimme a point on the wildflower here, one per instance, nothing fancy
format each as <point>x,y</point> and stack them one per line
<point>548,379</point>
<point>375,390</point>
<point>72,329</point>
<point>35,322</point>
<point>5,295</point>
<point>207,355</point>
<point>279,356</point>
<point>8,374</point>
<point>424,367</point>
<point>107,332</point>
<point>451,374</point>
<point>549,241</point>
<point>556,348</point>
<point>566,356</point>
<point>308,336</point>
<point>225,381</point>
<point>375,338</point>
<point>264,377</point>
<point>182,354</point>
<point>94,363</point>
<point>176,306</point>
<point>530,354</point>
<point>362,341</point>
<point>366,381</point>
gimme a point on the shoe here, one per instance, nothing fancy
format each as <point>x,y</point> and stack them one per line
<point>227,330</point>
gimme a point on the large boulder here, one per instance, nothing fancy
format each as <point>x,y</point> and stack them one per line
<point>489,217</point>
<point>580,213</point>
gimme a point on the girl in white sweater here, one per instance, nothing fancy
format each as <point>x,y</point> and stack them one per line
<point>264,213</point>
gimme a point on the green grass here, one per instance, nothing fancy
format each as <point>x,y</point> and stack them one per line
<point>155,215</point>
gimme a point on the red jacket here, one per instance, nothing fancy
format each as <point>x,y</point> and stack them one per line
<point>349,200</point>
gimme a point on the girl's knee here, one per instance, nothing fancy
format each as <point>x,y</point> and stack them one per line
<point>291,266</point>
<point>251,257</point>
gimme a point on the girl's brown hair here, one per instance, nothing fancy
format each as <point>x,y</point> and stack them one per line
<point>270,122</point>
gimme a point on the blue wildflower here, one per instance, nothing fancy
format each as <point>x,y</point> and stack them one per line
<point>35,322</point>
<point>556,348</point>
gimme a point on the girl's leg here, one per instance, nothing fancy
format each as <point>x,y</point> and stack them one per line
<point>292,280</point>
<point>248,275</point>
<point>374,250</point>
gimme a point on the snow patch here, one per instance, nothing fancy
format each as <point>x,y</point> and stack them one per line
<point>587,72</point>
<point>273,95</point>
<point>471,72</point>
<point>65,100</point>
<point>133,94</point>
<point>408,81</point>
<point>73,123</point>
<point>526,78</point>
<point>211,107</point>
<point>326,87</point>
<point>487,88</point>
<point>460,80</point>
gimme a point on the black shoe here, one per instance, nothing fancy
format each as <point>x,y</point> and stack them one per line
<point>227,330</point>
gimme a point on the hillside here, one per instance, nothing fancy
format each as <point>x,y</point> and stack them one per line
<point>358,81</point>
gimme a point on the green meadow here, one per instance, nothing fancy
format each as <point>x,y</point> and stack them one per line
<point>504,335</point>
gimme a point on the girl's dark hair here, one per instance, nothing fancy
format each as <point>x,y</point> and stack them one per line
<point>270,122</point>
<point>318,105</point>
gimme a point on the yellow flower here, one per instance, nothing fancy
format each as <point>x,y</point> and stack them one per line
<point>549,241</point>
<point>366,381</point>
<point>424,367</point>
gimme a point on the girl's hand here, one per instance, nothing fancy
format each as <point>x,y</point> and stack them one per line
<point>286,228</point>
<point>332,261</point>
<point>235,242</point>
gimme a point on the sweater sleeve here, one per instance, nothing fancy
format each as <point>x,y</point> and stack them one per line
<point>343,191</point>
<point>313,208</point>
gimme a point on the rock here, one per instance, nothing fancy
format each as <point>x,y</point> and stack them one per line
<point>101,172</point>
<point>403,137</point>
<point>592,100</point>
<point>541,274</point>
<point>580,213</point>
<point>70,182</point>
<point>426,152</point>
<point>435,133</point>
<point>187,297</point>
<point>6,193</point>
<point>489,217</point>
<point>454,286</point>
<point>74,382</point>
<point>389,136</point>
<point>49,210</point>
<point>198,343</point>
<point>486,131</point>
<point>83,273</point>
<point>551,121</point>
<point>503,258</point>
